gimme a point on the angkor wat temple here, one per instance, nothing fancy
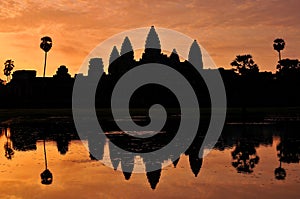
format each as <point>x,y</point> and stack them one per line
<point>25,90</point>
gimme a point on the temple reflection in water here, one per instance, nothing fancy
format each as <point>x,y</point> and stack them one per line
<point>242,141</point>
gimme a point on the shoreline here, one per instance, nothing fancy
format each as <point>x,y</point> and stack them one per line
<point>233,115</point>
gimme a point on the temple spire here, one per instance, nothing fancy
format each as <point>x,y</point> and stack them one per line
<point>195,55</point>
<point>152,40</point>
<point>126,46</point>
<point>114,55</point>
<point>174,56</point>
<point>95,67</point>
<point>195,163</point>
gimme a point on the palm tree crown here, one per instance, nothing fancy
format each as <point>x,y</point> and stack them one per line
<point>278,44</point>
<point>8,67</point>
<point>46,43</point>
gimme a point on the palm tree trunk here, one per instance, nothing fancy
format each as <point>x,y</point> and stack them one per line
<point>280,164</point>
<point>279,55</point>
<point>46,165</point>
<point>45,154</point>
<point>45,64</point>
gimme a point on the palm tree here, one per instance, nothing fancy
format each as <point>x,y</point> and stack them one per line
<point>279,46</point>
<point>280,172</point>
<point>8,67</point>
<point>9,152</point>
<point>46,46</point>
<point>46,175</point>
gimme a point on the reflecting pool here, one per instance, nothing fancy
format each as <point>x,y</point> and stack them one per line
<point>248,161</point>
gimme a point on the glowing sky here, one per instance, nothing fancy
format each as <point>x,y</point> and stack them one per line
<point>223,28</point>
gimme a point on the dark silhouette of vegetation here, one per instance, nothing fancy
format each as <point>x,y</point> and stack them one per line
<point>8,67</point>
<point>244,160</point>
<point>244,156</point>
<point>62,73</point>
<point>9,152</point>
<point>46,45</point>
<point>288,150</point>
<point>288,68</point>
<point>245,65</point>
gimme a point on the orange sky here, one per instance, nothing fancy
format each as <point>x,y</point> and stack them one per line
<point>223,28</point>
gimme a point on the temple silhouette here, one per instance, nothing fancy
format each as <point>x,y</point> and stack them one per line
<point>249,88</point>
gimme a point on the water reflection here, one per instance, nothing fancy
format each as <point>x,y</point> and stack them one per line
<point>46,175</point>
<point>244,156</point>
<point>242,141</point>
<point>280,172</point>
<point>193,154</point>
<point>9,152</point>
<point>288,151</point>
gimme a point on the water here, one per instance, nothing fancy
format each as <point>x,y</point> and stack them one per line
<point>241,165</point>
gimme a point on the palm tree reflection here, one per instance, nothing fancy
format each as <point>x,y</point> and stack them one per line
<point>46,175</point>
<point>244,157</point>
<point>288,152</point>
<point>9,152</point>
<point>280,172</point>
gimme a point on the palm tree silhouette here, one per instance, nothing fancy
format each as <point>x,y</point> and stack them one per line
<point>9,152</point>
<point>280,172</point>
<point>279,46</point>
<point>8,67</point>
<point>46,46</point>
<point>46,175</point>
